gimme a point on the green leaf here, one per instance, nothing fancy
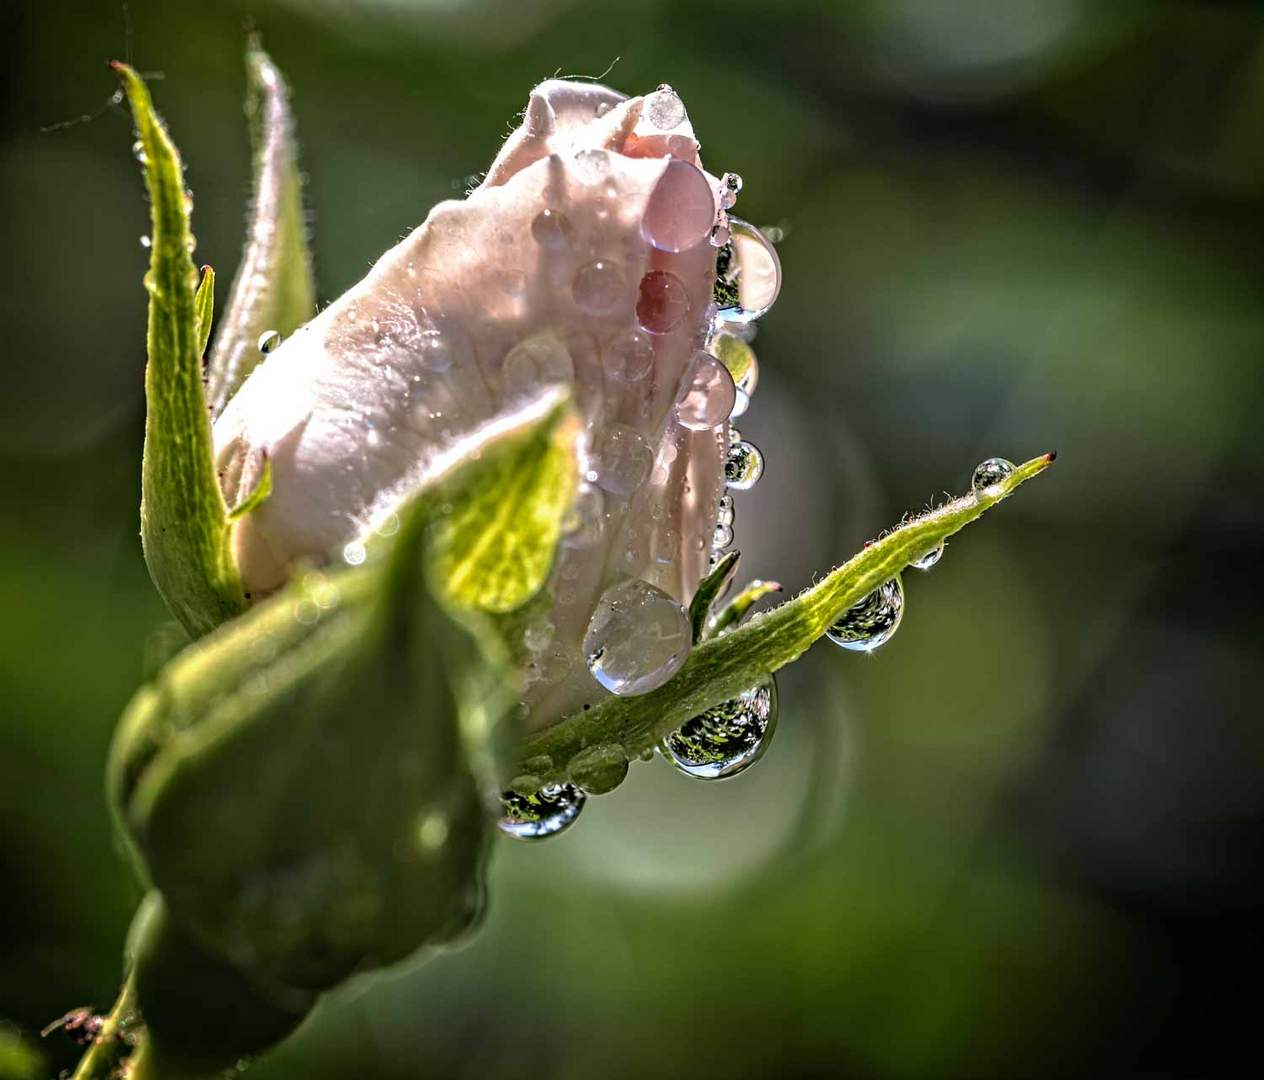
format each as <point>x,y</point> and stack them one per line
<point>257,497</point>
<point>184,524</point>
<point>273,289</point>
<point>310,787</point>
<point>734,612</point>
<point>735,354</point>
<point>708,591</point>
<point>204,307</point>
<point>496,543</point>
<point>725,666</point>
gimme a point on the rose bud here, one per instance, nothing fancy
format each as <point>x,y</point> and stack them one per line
<point>588,257</point>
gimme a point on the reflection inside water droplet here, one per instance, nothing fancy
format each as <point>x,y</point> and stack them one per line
<point>930,558</point>
<point>726,739</point>
<point>707,397</point>
<point>748,274</point>
<point>872,622</point>
<point>989,472</point>
<point>637,639</point>
<point>662,302</point>
<point>547,812</point>
<point>680,210</point>
<point>744,466</point>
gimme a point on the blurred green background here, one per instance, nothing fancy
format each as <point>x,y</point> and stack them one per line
<point>1026,838</point>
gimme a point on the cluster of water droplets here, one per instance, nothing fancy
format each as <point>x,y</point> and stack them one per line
<point>639,636</point>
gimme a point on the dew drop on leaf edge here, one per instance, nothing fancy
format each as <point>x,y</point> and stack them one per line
<point>989,472</point>
<point>545,813</point>
<point>873,621</point>
<point>726,739</point>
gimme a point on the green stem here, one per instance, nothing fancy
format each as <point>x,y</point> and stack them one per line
<point>109,1047</point>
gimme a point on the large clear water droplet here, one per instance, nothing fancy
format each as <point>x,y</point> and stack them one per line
<point>988,472</point>
<point>552,231</point>
<point>744,466</point>
<point>598,287</point>
<point>930,558</point>
<point>680,210</point>
<point>547,812</point>
<point>624,460</point>
<point>534,363</point>
<point>664,109</point>
<point>872,622</point>
<point>637,639</point>
<point>726,739</point>
<point>629,356</point>
<point>268,341</point>
<point>599,769</point>
<point>662,303</point>
<point>706,399</point>
<point>747,274</point>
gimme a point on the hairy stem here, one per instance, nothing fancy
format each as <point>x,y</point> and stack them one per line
<point>109,1047</point>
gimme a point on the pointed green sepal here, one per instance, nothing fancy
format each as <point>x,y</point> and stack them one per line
<point>735,611</point>
<point>184,523</point>
<point>273,289</point>
<point>710,589</point>
<point>725,666</point>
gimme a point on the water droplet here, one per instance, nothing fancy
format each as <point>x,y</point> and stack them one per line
<point>552,230</point>
<point>629,356</point>
<point>547,812</point>
<point>930,558</point>
<point>680,210</point>
<point>730,188</point>
<point>592,165</point>
<point>744,466</point>
<point>722,537</point>
<point>582,525</point>
<point>741,402</point>
<point>637,639</point>
<point>138,152</point>
<point>870,623</point>
<point>598,287</point>
<point>664,109</point>
<point>354,553</point>
<point>438,350</point>
<point>599,769</point>
<point>535,363</point>
<point>724,513</point>
<point>663,302</point>
<point>726,739</point>
<point>990,472</point>
<point>748,274</point>
<point>145,242</point>
<point>624,460</point>
<point>720,234</point>
<point>268,341</point>
<point>707,397</point>
<point>604,107</point>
